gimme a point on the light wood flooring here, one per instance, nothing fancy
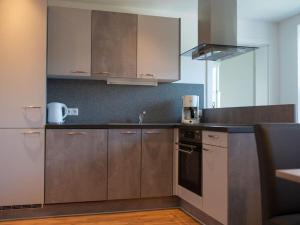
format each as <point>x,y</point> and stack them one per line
<point>159,217</point>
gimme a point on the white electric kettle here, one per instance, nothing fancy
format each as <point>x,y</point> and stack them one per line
<point>57,112</point>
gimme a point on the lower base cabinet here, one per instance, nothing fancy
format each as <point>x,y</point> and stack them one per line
<point>124,164</point>
<point>157,163</point>
<point>96,165</point>
<point>215,182</point>
<point>76,166</point>
<point>21,167</point>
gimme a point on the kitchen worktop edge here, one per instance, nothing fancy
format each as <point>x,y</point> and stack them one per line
<point>235,128</point>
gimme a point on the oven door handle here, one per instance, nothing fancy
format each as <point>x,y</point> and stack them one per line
<point>188,146</point>
<point>186,151</point>
<point>192,147</point>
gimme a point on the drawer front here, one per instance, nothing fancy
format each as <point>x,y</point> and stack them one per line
<point>215,138</point>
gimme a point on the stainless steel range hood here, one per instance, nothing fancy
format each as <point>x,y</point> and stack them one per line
<point>217,31</point>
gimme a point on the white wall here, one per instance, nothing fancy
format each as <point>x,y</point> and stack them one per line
<point>289,89</point>
<point>254,32</point>
<point>190,70</point>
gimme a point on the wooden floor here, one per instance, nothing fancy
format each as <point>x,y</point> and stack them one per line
<point>160,217</point>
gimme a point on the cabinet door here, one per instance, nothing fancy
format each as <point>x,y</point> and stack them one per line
<point>69,42</point>
<point>76,166</point>
<point>114,44</point>
<point>21,167</point>
<point>215,187</point>
<point>23,63</point>
<point>157,163</point>
<point>124,164</point>
<point>158,48</point>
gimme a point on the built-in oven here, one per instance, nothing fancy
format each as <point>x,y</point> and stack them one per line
<point>190,159</point>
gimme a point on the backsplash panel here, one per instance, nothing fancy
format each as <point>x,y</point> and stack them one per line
<point>101,103</point>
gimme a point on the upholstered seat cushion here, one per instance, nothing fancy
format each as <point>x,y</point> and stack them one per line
<point>292,219</point>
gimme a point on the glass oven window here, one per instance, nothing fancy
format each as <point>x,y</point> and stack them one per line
<point>190,167</point>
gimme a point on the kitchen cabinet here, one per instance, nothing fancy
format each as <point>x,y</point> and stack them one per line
<point>69,42</point>
<point>158,48</point>
<point>124,164</point>
<point>231,183</point>
<point>215,183</point>
<point>114,44</point>
<point>101,45</point>
<point>23,63</point>
<point>76,166</point>
<point>157,163</point>
<point>21,166</point>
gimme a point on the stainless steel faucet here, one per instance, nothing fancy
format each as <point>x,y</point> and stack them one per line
<point>141,117</point>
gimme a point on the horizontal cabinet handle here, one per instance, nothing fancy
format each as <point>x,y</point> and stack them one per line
<point>152,132</point>
<point>213,136</point>
<point>149,75</point>
<point>128,132</point>
<point>31,132</point>
<point>102,73</point>
<point>146,75</point>
<point>186,151</point>
<point>76,133</point>
<point>78,71</point>
<point>32,107</point>
<point>205,149</point>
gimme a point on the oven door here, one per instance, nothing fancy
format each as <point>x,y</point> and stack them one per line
<point>190,167</point>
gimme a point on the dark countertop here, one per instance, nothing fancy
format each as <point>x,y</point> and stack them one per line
<point>230,128</point>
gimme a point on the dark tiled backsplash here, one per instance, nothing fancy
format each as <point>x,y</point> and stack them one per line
<point>101,103</point>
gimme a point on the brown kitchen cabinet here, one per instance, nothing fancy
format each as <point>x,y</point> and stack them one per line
<point>69,42</point>
<point>114,44</point>
<point>124,164</point>
<point>157,163</point>
<point>76,166</point>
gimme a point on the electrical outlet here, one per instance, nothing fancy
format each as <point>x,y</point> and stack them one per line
<point>73,112</point>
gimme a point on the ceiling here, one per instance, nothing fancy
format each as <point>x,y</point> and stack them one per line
<point>268,10</point>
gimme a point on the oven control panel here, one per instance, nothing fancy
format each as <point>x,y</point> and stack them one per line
<point>194,135</point>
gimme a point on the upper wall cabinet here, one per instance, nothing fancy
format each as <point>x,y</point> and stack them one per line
<point>69,42</point>
<point>111,44</point>
<point>158,48</point>
<point>114,44</point>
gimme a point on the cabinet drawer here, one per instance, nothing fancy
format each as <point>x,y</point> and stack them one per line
<point>215,138</point>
